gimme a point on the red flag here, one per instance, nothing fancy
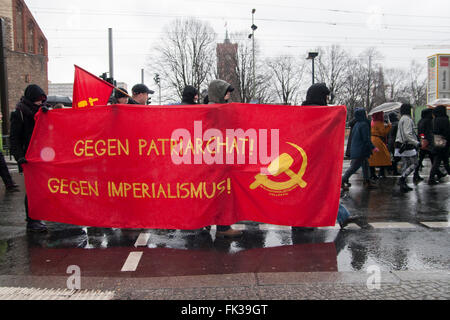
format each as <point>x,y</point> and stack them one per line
<point>89,90</point>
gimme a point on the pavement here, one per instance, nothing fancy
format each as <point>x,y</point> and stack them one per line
<point>397,250</point>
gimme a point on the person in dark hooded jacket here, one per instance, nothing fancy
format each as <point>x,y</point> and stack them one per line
<point>360,151</point>
<point>425,131</point>
<point>190,95</point>
<point>22,126</point>
<point>441,126</point>
<point>317,95</point>
<point>219,91</point>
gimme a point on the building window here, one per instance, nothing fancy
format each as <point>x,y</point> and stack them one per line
<point>41,46</point>
<point>19,27</point>
<point>30,37</point>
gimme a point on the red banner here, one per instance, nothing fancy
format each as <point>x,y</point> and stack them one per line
<point>89,90</point>
<point>185,167</point>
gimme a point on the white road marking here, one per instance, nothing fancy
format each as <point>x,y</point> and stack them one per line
<point>132,261</point>
<point>436,224</point>
<point>8,293</point>
<point>392,225</point>
<point>142,240</point>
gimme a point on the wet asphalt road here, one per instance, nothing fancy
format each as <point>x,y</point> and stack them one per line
<point>396,232</point>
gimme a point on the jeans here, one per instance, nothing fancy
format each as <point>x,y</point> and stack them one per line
<point>409,165</point>
<point>355,164</point>
<point>343,214</point>
<point>438,157</point>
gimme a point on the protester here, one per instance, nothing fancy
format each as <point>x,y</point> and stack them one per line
<point>10,185</point>
<point>351,124</point>
<point>190,95</point>
<point>441,128</point>
<point>121,96</point>
<point>360,151</point>
<point>379,134</point>
<point>393,119</point>
<point>317,95</point>
<point>22,126</point>
<point>140,94</point>
<point>219,91</point>
<point>425,132</point>
<point>344,218</point>
<point>406,144</point>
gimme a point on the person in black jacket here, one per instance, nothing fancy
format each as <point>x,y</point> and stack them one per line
<point>190,95</point>
<point>317,95</point>
<point>22,126</point>
<point>425,132</point>
<point>140,94</point>
<point>441,127</point>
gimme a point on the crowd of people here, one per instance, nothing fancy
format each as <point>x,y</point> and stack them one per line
<point>386,142</point>
<point>382,143</point>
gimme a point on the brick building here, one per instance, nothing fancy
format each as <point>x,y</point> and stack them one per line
<point>25,55</point>
<point>227,65</point>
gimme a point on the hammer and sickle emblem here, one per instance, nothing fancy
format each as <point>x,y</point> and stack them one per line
<point>282,164</point>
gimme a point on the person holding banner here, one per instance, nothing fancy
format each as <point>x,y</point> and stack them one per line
<point>121,96</point>
<point>317,95</point>
<point>140,94</point>
<point>219,91</point>
<point>22,126</point>
<point>190,95</point>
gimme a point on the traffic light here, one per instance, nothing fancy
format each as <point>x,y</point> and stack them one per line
<point>157,79</point>
<point>104,76</point>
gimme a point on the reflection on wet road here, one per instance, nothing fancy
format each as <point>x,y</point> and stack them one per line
<point>395,232</point>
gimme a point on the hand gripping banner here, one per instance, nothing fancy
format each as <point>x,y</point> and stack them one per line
<point>186,167</point>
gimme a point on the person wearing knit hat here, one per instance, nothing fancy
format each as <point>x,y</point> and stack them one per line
<point>190,95</point>
<point>121,96</point>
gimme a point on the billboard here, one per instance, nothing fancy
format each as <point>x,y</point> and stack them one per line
<point>438,77</point>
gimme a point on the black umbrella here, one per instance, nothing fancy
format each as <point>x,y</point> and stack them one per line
<point>52,100</point>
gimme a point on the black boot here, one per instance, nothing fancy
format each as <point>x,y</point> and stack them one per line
<point>403,186</point>
<point>369,185</point>
<point>417,178</point>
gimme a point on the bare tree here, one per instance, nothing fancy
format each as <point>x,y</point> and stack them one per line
<point>185,56</point>
<point>332,65</point>
<point>286,75</point>
<point>395,80</point>
<point>417,84</point>
<point>353,90</point>
<point>369,59</point>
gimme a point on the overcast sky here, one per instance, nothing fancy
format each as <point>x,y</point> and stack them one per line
<point>77,33</point>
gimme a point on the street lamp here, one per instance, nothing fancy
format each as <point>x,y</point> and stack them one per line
<point>312,55</point>
<point>252,36</point>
